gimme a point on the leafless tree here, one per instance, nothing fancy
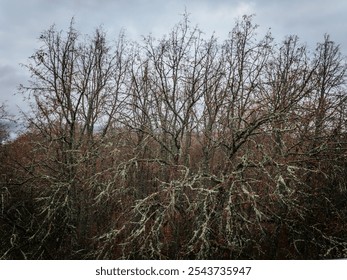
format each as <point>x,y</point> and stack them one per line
<point>78,88</point>
<point>179,147</point>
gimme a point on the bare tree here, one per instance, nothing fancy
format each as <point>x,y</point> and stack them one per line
<point>178,148</point>
<point>78,88</point>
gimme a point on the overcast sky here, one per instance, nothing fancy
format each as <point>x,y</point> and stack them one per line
<point>22,21</point>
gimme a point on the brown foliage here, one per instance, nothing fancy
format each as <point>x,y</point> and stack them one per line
<point>181,148</point>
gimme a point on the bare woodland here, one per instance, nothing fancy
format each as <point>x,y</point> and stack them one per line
<point>181,147</point>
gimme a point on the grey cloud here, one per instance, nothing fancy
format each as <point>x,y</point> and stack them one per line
<point>21,22</point>
<point>307,19</point>
<point>10,78</point>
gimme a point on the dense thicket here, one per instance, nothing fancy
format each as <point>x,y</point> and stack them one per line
<point>179,148</point>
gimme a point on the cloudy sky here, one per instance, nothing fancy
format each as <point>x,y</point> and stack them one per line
<point>22,21</point>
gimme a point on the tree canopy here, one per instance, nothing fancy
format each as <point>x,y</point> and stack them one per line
<point>181,147</point>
